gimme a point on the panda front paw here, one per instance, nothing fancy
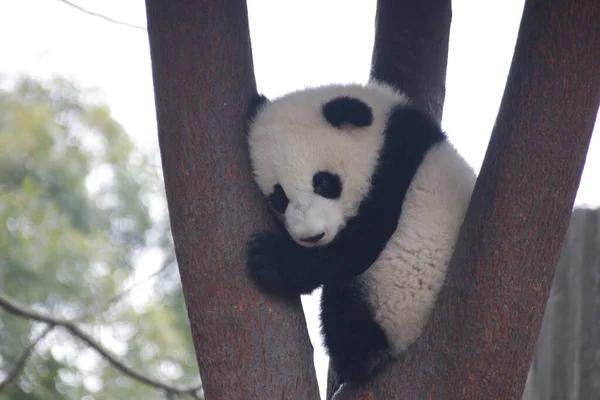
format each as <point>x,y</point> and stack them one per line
<point>266,263</point>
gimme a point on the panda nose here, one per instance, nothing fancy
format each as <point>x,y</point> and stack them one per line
<point>313,239</point>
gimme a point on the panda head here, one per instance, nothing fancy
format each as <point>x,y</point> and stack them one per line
<point>313,153</point>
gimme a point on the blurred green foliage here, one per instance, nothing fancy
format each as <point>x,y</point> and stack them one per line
<point>76,201</point>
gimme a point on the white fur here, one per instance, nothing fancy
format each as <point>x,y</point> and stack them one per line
<point>408,275</point>
<point>309,215</point>
<point>403,283</point>
<point>289,151</point>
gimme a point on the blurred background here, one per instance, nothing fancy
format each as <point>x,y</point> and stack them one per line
<point>91,302</point>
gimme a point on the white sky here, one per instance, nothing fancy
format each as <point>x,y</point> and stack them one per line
<point>295,44</point>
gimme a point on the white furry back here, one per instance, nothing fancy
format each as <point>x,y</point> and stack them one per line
<point>405,280</point>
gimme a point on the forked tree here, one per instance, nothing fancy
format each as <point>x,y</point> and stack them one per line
<point>480,340</point>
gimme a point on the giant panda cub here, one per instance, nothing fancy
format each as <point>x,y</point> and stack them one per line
<point>371,196</point>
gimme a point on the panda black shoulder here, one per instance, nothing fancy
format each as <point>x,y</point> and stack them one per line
<point>409,135</point>
<point>415,127</point>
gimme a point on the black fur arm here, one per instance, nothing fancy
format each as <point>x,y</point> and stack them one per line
<point>281,267</point>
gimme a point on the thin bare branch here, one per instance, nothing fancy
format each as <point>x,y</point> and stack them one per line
<point>104,17</point>
<point>18,309</point>
<point>103,305</point>
<point>22,360</point>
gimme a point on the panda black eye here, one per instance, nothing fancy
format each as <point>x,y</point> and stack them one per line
<point>278,199</point>
<point>327,185</point>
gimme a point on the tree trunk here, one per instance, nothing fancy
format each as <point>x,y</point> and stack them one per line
<point>480,340</point>
<point>411,49</point>
<point>248,346</point>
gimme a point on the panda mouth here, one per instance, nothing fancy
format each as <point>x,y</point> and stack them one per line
<point>313,239</point>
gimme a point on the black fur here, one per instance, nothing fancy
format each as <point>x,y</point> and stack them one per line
<point>269,256</point>
<point>278,199</point>
<point>349,110</point>
<point>327,185</point>
<point>256,103</point>
<point>356,344</point>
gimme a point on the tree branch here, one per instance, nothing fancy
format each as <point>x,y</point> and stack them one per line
<point>22,360</point>
<point>104,17</point>
<point>411,49</point>
<point>480,340</point>
<point>248,344</point>
<point>18,309</point>
<point>101,306</point>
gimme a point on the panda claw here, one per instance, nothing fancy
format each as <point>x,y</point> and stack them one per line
<point>265,262</point>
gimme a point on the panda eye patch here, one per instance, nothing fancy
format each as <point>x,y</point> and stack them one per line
<point>327,185</point>
<point>278,199</point>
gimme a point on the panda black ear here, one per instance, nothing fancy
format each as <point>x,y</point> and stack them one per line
<point>342,110</point>
<point>256,102</point>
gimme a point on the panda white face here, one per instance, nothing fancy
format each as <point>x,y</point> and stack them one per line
<point>313,153</point>
<point>312,219</point>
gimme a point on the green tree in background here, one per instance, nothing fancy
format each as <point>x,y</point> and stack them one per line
<point>75,216</point>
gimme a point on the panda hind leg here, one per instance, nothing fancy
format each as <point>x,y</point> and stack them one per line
<point>361,370</point>
<point>357,346</point>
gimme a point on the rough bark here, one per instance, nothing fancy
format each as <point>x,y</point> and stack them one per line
<point>411,49</point>
<point>248,346</point>
<point>480,340</point>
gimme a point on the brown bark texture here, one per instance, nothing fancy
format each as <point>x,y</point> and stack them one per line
<point>411,49</point>
<point>481,337</point>
<point>248,346</point>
